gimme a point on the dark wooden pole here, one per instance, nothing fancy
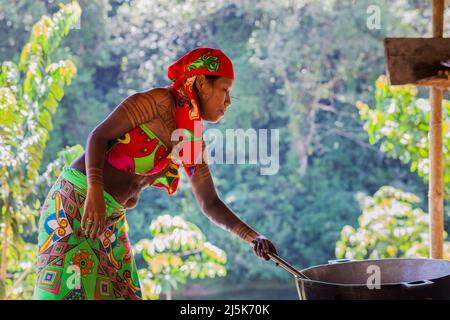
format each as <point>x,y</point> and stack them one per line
<point>436,182</point>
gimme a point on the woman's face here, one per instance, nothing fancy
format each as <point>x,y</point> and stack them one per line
<point>214,97</point>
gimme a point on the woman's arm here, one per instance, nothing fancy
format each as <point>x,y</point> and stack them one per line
<point>218,212</point>
<point>134,110</point>
<point>214,208</point>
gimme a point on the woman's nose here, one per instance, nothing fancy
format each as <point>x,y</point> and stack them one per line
<point>227,101</point>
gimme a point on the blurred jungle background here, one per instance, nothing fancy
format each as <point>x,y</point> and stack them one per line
<point>353,150</point>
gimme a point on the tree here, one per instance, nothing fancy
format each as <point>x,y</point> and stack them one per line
<point>389,227</point>
<point>29,95</point>
<point>147,36</point>
<point>316,72</point>
<point>399,122</point>
<point>94,91</point>
<point>177,251</point>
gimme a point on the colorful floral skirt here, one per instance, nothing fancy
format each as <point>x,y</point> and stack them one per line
<point>73,267</point>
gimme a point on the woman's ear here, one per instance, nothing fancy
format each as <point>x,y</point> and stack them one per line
<point>200,82</point>
<point>201,85</point>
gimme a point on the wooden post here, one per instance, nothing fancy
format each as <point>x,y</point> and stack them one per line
<point>438,18</point>
<point>436,182</point>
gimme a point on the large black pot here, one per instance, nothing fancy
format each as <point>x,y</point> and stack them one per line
<point>385,279</point>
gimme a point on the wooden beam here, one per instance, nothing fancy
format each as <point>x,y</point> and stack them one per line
<point>417,61</point>
<point>436,182</point>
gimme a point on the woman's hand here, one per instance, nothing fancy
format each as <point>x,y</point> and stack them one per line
<point>93,221</point>
<point>261,246</point>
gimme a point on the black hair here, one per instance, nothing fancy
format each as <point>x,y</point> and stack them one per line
<point>211,77</point>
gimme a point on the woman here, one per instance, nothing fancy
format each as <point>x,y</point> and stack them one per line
<point>84,250</point>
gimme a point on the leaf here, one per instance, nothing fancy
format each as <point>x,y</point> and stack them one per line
<point>24,56</point>
<point>414,166</point>
<point>45,119</point>
<point>51,104</point>
<point>57,91</point>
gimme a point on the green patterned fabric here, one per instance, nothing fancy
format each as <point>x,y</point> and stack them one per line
<point>73,267</point>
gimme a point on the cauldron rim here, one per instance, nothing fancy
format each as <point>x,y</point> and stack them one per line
<point>306,281</point>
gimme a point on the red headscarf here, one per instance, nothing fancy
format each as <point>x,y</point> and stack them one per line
<point>183,72</point>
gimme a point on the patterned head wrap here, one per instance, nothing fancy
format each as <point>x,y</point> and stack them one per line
<point>183,72</point>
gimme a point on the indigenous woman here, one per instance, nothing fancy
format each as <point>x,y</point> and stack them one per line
<point>84,251</point>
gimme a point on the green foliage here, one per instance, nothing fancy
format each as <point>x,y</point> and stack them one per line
<point>26,111</point>
<point>21,270</point>
<point>177,251</point>
<point>319,80</point>
<point>389,227</point>
<point>96,89</point>
<point>29,96</point>
<point>399,122</point>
